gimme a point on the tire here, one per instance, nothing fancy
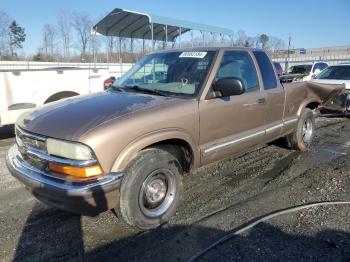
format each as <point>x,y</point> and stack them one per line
<point>301,139</point>
<point>151,189</point>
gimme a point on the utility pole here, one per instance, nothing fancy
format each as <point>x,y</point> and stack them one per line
<point>289,40</point>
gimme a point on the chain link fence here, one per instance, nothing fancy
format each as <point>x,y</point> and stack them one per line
<point>330,60</point>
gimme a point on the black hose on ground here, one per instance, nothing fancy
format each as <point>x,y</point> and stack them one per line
<point>256,221</point>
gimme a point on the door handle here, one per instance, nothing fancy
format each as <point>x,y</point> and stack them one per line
<point>262,101</point>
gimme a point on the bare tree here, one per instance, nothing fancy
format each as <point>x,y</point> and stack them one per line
<point>65,32</point>
<point>48,40</point>
<point>276,43</point>
<point>82,24</point>
<point>111,52</point>
<point>242,38</point>
<point>110,46</point>
<point>249,42</point>
<point>120,47</point>
<point>95,45</point>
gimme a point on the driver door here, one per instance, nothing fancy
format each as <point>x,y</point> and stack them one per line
<point>231,124</point>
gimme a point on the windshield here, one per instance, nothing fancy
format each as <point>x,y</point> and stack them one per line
<point>335,72</point>
<point>173,73</point>
<point>300,69</point>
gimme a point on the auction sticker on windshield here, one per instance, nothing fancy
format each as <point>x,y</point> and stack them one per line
<point>193,54</point>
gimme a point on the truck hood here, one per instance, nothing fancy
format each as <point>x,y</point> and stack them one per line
<point>69,119</point>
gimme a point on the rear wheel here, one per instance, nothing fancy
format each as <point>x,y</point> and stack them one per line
<point>301,139</point>
<point>151,189</point>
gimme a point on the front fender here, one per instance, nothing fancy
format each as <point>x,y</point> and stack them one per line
<point>131,150</point>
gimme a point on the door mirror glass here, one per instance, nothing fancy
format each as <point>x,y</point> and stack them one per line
<point>229,86</point>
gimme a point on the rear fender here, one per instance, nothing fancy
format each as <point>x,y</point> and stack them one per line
<point>320,94</point>
<point>324,92</point>
<point>307,102</point>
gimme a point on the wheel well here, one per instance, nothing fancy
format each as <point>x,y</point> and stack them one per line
<point>312,105</point>
<point>60,95</point>
<point>178,148</point>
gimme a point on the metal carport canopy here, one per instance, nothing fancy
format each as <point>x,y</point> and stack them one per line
<point>131,24</point>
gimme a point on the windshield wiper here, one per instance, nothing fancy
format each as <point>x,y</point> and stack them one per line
<point>146,90</point>
<point>117,88</point>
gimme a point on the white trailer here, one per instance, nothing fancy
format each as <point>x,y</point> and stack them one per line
<point>21,90</point>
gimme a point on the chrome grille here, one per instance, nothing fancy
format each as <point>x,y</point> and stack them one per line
<point>33,141</point>
<point>32,148</point>
<point>29,142</point>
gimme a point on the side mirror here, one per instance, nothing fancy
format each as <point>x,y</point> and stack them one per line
<point>229,86</point>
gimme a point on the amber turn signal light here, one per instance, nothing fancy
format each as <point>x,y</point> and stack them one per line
<point>80,172</point>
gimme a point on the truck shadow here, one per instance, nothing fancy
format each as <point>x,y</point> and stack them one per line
<point>262,243</point>
<point>51,234</point>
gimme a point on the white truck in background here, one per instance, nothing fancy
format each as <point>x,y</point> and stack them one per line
<point>303,72</point>
<point>21,90</point>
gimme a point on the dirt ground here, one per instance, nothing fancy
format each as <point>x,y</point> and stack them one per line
<point>218,199</point>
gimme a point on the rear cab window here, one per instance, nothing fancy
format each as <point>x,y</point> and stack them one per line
<point>266,69</point>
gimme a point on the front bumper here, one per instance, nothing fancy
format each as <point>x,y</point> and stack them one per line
<point>86,197</point>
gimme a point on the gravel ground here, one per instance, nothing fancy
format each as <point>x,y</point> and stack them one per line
<point>218,199</point>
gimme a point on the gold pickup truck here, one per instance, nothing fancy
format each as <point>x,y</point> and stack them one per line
<point>176,110</point>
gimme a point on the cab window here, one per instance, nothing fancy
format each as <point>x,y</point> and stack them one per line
<point>266,69</point>
<point>239,64</point>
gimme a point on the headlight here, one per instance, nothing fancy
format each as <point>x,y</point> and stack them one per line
<point>70,150</point>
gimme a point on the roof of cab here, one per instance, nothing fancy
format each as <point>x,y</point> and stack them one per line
<point>207,48</point>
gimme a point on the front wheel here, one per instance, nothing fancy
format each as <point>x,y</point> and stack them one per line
<point>301,139</point>
<point>151,189</point>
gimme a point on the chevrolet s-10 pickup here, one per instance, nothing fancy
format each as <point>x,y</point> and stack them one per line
<point>128,148</point>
